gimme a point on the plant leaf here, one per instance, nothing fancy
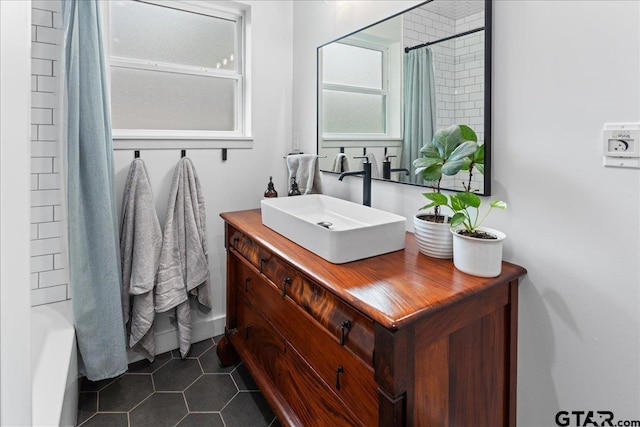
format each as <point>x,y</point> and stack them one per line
<point>480,167</point>
<point>446,140</point>
<point>432,173</point>
<point>463,150</point>
<point>457,219</point>
<point>437,198</point>
<point>429,150</point>
<point>478,156</point>
<point>452,167</point>
<point>499,204</point>
<point>424,162</point>
<point>470,199</point>
<point>468,134</point>
<point>457,204</point>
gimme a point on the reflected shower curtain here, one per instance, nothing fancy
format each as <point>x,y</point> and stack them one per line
<point>94,260</point>
<point>419,108</point>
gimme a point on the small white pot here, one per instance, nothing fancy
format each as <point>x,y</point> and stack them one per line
<point>478,257</point>
<point>433,238</point>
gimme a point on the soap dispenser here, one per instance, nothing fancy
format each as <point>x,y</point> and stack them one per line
<point>271,191</point>
<point>294,188</point>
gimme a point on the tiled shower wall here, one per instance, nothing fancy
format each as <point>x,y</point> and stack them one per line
<point>49,274</point>
<point>458,69</point>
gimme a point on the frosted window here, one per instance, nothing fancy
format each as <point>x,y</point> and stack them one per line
<point>144,99</point>
<point>348,112</point>
<point>154,33</point>
<point>352,66</point>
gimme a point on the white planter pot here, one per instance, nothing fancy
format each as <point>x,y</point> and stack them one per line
<point>434,239</point>
<point>478,257</point>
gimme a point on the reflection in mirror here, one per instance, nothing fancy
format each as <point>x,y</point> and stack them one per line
<point>385,90</point>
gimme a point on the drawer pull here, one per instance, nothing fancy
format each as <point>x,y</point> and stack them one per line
<point>285,283</point>
<point>338,372</point>
<point>235,242</point>
<point>262,261</point>
<point>346,325</point>
<point>246,284</point>
<point>247,329</point>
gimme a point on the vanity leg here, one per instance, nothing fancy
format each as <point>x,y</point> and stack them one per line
<point>226,353</point>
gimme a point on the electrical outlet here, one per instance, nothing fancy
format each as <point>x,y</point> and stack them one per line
<point>620,145</point>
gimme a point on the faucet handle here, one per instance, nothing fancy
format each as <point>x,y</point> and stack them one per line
<point>366,158</point>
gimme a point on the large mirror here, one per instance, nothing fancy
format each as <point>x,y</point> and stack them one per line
<point>383,91</point>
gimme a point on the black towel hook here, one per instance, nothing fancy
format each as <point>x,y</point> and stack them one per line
<point>136,154</point>
<point>183,153</point>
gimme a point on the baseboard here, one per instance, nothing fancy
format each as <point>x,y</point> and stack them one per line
<point>202,328</point>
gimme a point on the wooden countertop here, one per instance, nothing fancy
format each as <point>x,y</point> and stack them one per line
<point>394,289</point>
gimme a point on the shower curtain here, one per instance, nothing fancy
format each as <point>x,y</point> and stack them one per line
<point>419,108</point>
<point>94,260</point>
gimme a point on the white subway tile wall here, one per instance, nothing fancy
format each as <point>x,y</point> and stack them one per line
<point>459,72</point>
<point>49,274</point>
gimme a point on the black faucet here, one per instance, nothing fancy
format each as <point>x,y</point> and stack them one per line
<point>366,179</point>
<point>386,168</point>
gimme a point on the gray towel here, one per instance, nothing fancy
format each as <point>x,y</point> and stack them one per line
<point>304,167</point>
<point>340,163</point>
<point>184,269</point>
<point>140,243</point>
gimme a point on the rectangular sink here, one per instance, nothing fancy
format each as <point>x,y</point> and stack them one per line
<point>337,230</point>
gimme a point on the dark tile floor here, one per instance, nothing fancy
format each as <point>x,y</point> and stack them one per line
<point>171,391</point>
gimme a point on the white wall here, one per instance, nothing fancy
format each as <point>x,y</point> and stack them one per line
<point>240,182</point>
<point>15,321</point>
<point>561,70</point>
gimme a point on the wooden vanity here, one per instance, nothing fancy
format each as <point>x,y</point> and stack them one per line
<point>395,340</point>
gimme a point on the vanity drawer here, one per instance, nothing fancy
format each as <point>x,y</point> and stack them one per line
<point>340,320</point>
<point>246,247</point>
<point>342,371</point>
<point>314,403</point>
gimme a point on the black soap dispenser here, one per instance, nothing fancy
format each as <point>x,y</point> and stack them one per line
<point>271,191</point>
<point>294,188</point>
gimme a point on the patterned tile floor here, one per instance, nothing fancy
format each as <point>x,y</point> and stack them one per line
<point>170,392</point>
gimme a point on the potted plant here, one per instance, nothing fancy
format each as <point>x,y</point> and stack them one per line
<point>451,150</point>
<point>476,250</point>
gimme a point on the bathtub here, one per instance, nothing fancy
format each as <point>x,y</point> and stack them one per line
<point>54,367</point>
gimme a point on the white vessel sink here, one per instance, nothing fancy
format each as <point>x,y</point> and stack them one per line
<point>337,230</point>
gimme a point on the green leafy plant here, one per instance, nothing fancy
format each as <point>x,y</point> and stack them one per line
<point>451,150</point>
<point>466,209</point>
<point>475,162</point>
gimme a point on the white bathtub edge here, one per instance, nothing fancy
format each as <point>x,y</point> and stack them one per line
<point>54,365</point>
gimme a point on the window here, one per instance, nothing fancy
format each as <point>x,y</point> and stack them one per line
<point>354,90</point>
<point>177,71</point>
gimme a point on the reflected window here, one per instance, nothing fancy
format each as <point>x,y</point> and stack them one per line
<point>354,89</point>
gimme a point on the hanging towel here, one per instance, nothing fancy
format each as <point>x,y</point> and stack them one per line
<point>183,269</point>
<point>140,244</point>
<point>375,172</point>
<point>340,163</point>
<point>304,167</point>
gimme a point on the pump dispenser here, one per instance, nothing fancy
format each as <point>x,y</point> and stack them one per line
<point>271,191</point>
<point>295,191</point>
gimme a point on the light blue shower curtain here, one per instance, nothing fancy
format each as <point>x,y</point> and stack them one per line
<point>94,260</point>
<point>419,108</point>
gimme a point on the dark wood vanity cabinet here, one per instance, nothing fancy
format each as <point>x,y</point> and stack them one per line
<point>396,340</point>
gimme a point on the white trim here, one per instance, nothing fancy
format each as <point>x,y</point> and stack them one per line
<point>15,310</point>
<point>183,144</point>
<point>362,142</point>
